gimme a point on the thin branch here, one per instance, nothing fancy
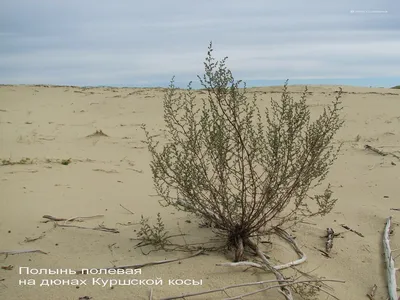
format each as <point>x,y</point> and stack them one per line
<point>126,209</point>
<point>283,289</point>
<point>99,228</point>
<point>377,151</point>
<point>146,264</point>
<point>21,251</point>
<point>223,289</point>
<point>368,147</point>
<point>51,218</point>
<point>286,236</point>
<point>352,230</point>
<point>286,282</point>
<point>240,264</point>
<point>324,253</point>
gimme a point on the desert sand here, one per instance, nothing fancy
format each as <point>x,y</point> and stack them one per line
<point>51,165</point>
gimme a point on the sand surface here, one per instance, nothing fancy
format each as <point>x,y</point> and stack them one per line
<point>49,126</point>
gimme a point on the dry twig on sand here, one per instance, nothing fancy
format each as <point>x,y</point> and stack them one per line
<point>352,230</point>
<point>377,151</point>
<point>126,209</point>
<point>147,264</point>
<point>99,228</point>
<point>324,253</point>
<point>12,252</point>
<point>371,294</point>
<point>390,268</point>
<point>382,153</point>
<point>398,209</point>
<point>29,240</point>
<point>79,219</point>
<point>286,282</point>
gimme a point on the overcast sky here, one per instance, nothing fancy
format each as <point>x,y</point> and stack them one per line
<point>145,43</point>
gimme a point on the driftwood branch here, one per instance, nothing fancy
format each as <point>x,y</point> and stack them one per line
<point>284,289</point>
<point>146,264</point>
<point>390,269</point>
<point>329,241</point>
<point>286,236</point>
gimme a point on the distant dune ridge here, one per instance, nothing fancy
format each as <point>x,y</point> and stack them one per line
<point>50,167</point>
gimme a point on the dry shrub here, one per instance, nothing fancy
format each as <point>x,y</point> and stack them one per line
<point>244,173</point>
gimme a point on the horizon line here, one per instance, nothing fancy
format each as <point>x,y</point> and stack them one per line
<point>198,88</point>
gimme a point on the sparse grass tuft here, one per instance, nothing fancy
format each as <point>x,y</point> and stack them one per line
<point>66,162</point>
<point>154,235</point>
<point>97,133</point>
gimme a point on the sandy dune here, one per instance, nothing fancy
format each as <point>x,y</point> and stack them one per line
<point>67,173</point>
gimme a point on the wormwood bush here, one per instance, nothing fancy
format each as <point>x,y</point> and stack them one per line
<point>245,174</point>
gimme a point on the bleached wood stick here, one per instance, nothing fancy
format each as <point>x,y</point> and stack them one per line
<point>99,228</point>
<point>240,264</point>
<point>390,269</point>
<point>55,219</point>
<point>21,251</point>
<point>286,236</point>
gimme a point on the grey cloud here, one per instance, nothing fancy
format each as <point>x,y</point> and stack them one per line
<point>100,42</point>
